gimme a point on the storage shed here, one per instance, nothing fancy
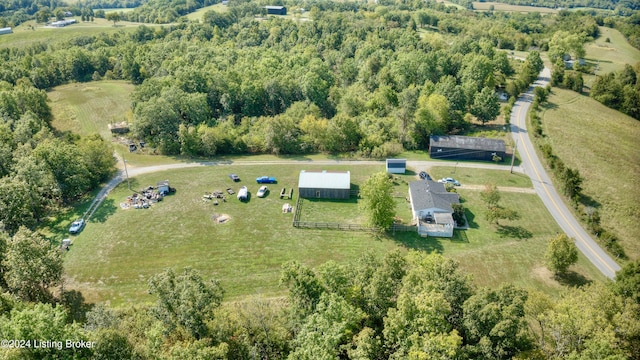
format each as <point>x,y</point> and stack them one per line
<point>276,10</point>
<point>6,30</point>
<point>466,148</point>
<point>324,184</point>
<point>396,166</point>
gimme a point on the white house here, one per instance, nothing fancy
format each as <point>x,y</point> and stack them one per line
<point>431,208</point>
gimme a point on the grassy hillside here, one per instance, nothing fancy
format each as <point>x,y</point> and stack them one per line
<point>30,32</point>
<point>197,15</point>
<point>485,6</point>
<point>87,108</point>
<point>603,145</point>
<point>112,259</point>
<point>613,55</point>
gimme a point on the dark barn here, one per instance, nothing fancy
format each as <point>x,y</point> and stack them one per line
<point>466,148</point>
<point>324,184</point>
<point>276,10</point>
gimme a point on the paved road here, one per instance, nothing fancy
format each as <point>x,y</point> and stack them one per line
<point>545,189</point>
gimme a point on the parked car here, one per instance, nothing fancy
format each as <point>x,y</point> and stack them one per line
<point>234,177</point>
<point>243,193</point>
<point>77,226</point>
<point>266,180</point>
<point>262,191</point>
<point>424,175</point>
<point>449,181</point>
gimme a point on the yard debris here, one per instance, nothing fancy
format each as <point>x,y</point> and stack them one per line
<point>286,208</point>
<point>146,197</point>
<point>217,194</point>
<point>220,218</point>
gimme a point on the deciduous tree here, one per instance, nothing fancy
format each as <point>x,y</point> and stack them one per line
<point>377,200</point>
<point>185,300</point>
<point>32,266</point>
<point>485,105</point>
<point>561,253</point>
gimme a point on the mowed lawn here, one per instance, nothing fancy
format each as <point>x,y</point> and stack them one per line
<point>88,108</point>
<point>603,145</point>
<point>470,176</point>
<point>119,250</point>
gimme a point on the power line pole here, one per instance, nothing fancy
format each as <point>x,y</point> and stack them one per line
<point>126,172</point>
<point>513,156</point>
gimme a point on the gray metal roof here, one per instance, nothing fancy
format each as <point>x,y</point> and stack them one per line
<point>426,194</point>
<point>467,142</point>
<point>396,163</point>
<point>324,179</point>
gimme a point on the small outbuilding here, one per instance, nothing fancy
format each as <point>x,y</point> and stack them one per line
<point>396,166</point>
<point>324,184</point>
<point>466,148</point>
<point>6,30</point>
<point>276,10</point>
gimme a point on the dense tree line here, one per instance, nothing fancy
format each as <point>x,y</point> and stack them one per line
<point>619,90</point>
<point>39,171</point>
<point>618,5</point>
<point>397,306</point>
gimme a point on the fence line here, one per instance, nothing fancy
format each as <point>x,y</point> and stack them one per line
<point>402,227</point>
<point>339,226</point>
<point>335,226</point>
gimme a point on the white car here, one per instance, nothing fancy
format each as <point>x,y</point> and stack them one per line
<point>449,181</point>
<point>262,191</point>
<point>77,226</point>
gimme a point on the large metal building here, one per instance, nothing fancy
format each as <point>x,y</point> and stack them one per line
<point>324,184</point>
<point>276,10</point>
<point>466,148</point>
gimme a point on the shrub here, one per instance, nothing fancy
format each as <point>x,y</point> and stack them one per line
<point>458,214</point>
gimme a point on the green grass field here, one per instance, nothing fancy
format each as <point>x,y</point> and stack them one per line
<point>469,176</point>
<point>613,55</point>
<point>603,145</point>
<point>110,10</point>
<point>485,6</point>
<point>88,108</point>
<point>113,258</point>
<point>197,15</point>
<point>30,32</point>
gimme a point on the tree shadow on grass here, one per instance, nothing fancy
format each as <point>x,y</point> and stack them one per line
<point>411,240</point>
<point>75,303</point>
<point>470,218</point>
<point>573,279</point>
<point>106,209</point>
<point>515,232</point>
<point>587,200</point>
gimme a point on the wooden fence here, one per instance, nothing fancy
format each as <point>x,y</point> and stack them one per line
<point>297,223</point>
<point>334,226</point>
<point>402,227</point>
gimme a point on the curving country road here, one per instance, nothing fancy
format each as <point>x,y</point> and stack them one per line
<point>545,189</point>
